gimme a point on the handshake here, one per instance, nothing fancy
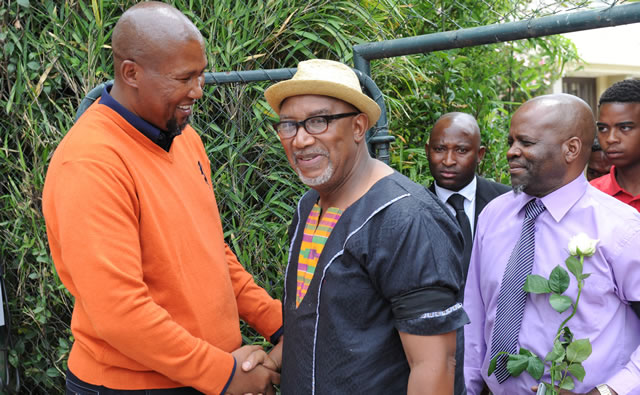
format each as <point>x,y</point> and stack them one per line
<point>256,371</point>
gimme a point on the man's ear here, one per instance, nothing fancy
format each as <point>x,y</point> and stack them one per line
<point>426,149</point>
<point>571,149</point>
<point>481,151</point>
<point>360,127</point>
<point>130,72</point>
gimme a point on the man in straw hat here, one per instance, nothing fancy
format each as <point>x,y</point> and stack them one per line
<point>374,273</point>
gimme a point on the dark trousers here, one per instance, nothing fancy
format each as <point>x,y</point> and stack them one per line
<point>75,386</point>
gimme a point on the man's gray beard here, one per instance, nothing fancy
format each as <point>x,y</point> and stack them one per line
<point>319,180</point>
<point>517,189</point>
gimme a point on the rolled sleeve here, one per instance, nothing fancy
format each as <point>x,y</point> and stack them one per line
<point>420,273</point>
<point>435,322</point>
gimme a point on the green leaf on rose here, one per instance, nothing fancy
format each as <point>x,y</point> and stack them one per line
<point>558,280</point>
<point>583,276</point>
<point>567,335</point>
<point>577,370</point>
<point>535,367</point>
<point>579,350</point>
<point>536,284</point>
<point>494,362</point>
<point>567,383</point>
<point>525,352</point>
<point>517,364</point>
<point>492,365</point>
<point>560,303</point>
<point>557,352</point>
<point>574,266</point>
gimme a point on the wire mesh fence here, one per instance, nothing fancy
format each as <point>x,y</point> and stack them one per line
<point>55,52</point>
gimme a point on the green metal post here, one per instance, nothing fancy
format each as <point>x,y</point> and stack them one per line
<point>377,137</point>
<point>546,26</point>
<point>501,32</point>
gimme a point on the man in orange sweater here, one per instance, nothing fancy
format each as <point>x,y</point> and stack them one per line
<point>136,237</point>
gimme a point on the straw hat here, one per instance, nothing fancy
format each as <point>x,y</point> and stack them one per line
<point>325,78</point>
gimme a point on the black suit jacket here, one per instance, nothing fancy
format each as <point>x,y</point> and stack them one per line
<point>486,191</point>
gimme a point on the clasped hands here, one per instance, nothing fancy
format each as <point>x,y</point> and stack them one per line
<point>256,371</point>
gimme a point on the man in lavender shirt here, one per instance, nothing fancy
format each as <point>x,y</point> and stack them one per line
<point>550,142</point>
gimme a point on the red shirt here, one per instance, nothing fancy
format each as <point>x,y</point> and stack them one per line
<point>609,185</point>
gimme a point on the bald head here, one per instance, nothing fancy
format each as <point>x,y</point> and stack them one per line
<point>149,32</point>
<point>567,116</point>
<point>159,63</point>
<point>454,150</point>
<point>461,120</point>
<point>464,120</point>
<point>550,142</point>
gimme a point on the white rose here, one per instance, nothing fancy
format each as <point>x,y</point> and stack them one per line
<point>581,244</point>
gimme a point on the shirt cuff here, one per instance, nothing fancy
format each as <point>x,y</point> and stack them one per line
<point>435,323</point>
<point>275,338</point>
<point>625,381</point>
<point>233,371</point>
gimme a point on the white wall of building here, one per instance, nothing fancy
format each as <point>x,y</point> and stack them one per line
<point>610,54</point>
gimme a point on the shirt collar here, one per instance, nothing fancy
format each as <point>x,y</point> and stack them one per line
<point>469,191</point>
<point>560,201</point>
<point>613,187</point>
<point>159,137</point>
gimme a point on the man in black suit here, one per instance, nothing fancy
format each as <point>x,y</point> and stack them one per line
<point>454,152</point>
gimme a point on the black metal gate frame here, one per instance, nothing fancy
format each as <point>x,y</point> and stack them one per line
<point>244,77</point>
<point>613,15</point>
<point>378,137</point>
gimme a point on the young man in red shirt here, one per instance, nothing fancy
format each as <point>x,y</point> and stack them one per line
<point>619,136</point>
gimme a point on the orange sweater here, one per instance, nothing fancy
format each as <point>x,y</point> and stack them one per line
<point>135,236</point>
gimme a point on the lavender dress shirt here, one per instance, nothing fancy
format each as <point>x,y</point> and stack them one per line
<point>604,314</point>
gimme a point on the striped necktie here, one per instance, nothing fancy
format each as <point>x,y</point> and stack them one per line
<point>512,297</point>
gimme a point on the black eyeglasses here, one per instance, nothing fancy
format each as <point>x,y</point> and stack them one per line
<point>313,125</point>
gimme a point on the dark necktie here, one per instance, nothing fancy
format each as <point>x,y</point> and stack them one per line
<point>457,202</point>
<point>512,297</point>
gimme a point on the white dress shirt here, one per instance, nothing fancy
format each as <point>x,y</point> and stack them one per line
<point>469,194</point>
